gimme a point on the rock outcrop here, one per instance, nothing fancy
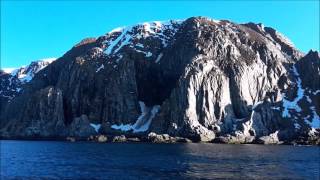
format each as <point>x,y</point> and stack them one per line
<point>201,79</point>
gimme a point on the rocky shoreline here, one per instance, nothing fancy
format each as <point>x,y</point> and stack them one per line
<point>165,138</point>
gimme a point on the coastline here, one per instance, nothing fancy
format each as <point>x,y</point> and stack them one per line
<point>155,140</point>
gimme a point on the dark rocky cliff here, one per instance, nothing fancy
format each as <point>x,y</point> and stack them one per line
<point>199,78</point>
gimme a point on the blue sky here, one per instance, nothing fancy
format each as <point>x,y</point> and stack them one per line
<point>41,29</point>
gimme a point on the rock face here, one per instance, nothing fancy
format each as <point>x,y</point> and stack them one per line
<point>199,79</point>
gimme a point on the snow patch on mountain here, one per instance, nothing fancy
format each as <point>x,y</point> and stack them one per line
<point>8,70</point>
<point>159,58</point>
<point>113,43</point>
<point>162,31</point>
<point>144,120</point>
<point>26,73</point>
<point>315,121</point>
<point>293,105</point>
<point>101,67</point>
<point>118,29</point>
<point>96,127</point>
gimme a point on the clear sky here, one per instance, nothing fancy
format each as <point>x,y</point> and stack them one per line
<point>43,29</point>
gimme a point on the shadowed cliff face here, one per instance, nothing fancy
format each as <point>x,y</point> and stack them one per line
<point>198,78</point>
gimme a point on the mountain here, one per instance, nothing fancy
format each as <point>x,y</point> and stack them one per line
<point>201,79</point>
<point>12,79</point>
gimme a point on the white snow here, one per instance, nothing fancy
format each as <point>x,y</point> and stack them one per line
<point>10,81</point>
<point>157,23</point>
<point>247,126</point>
<point>113,43</point>
<point>148,28</point>
<point>25,73</point>
<point>216,21</point>
<point>174,125</point>
<point>315,121</point>
<point>101,67</point>
<point>297,126</point>
<point>262,27</point>
<point>96,127</point>
<point>49,60</point>
<point>213,20</point>
<point>144,120</point>
<point>8,70</point>
<point>308,99</point>
<point>126,40</point>
<point>140,125</point>
<point>122,127</point>
<point>119,29</point>
<point>198,24</point>
<point>312,132</point>
<point>140,45</point>
<point>316,92</point>
<point>119,58</point>
<point>293,104</point>
<point>9,97</point>
<point>149,54</point>
<point>275,108</point>
<point>156,29</point>
<point>159,57</point>
<point>25,77</point>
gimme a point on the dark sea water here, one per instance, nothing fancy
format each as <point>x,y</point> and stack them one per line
<point>85,160</point>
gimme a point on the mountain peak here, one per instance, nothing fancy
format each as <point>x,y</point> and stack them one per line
<point>313,53</point>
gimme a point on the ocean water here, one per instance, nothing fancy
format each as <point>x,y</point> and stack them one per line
<point>86,160</point>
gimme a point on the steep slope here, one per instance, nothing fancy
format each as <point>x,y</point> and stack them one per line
<point>198,78</point>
